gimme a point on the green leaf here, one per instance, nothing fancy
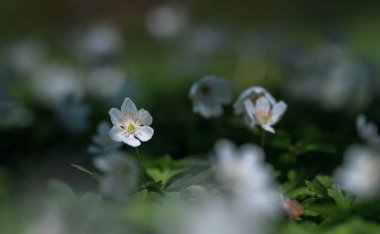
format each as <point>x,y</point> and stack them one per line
<point>343,201</point>
<point>326,181</point>
<point>188,180</point>
<point>162,175</point>
<point>316,188</point>
<point>93,174</point>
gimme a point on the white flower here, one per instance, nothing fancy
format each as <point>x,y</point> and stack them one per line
<point>263,113</point>
<point>102,140</point>
<point>245,172</point>
<point>360,172</point>
<point>333,78</point>
<point>73,115</point>
<point>130,126</point>
<point>209,94</point>
<point>101,39</point>
<point>26,55</point>
<point>367,130</point>
<point>120,175</point>
<point>252,93</point>
<point>55,82</point>
<point>166,21</point>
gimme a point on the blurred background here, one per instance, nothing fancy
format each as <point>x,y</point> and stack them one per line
<point>64,64</point>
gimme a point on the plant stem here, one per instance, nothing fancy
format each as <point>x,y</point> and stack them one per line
<point>263,134</point>
<point>141,167</point>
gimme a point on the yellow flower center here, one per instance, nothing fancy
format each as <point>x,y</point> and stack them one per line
<point>131,128</point>
<point>263,116</point>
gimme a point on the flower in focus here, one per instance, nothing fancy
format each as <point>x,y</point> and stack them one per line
<point>367,130</point>
<point>260,108</point>
<point>360,172</point>
<point>102,141</point>
<point>130,126</point>
<point>120,175</point>
<point>264,113</point>
<point>252,93</point>
<point>209,94</point>
<point>250,179</point>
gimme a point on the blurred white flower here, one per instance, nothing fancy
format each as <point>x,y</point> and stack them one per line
<point>130,126</point>
<point>105,81</point>
<point>367,130</point>
<point>100,40</point>
<point>333,78</point>
<point>166,21</point>
<point>207,39</point>
<point>26,55</point>
<point>263,113</point>
<point>120,176</point>
<point>216,217</point>
<point>54,82</point>
<point>251,180</point>
<point>360,172</point>
<point>209,95</point>
<point>110,83</point>
<point>103,142</point>
<point>73,114</point>
<point>50,222</point>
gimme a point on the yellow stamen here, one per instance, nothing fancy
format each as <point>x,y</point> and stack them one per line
<point>131,127</point>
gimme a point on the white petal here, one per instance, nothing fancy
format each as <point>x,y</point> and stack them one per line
<point>268,128</point>
<point>209,110</point>
<point>117,133</point>
<point>226,151</point>
<point>128,107</point>
<point>131,140</point>
<point>249,108</point>
<point>145,133</point>
<point>277,111</point>
<point>144,117</point>
<point>249,121</point>
<point>193,90</point>
<point>116,116</point>
<point>106,163</point>
<point>263,105</point>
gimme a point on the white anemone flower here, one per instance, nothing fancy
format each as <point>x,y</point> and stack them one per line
<point>209,95</point>
<point>360,172</point>
<point>102,140</point>
<point>251,180</point>
<point>120,174</point>
<point>367,130</point>
<point>252,93</point>
<point>265,113</point>
<point>130,126</point>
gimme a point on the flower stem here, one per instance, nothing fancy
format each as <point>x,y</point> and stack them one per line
<point>263,135</point>
<point>141,167</point>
